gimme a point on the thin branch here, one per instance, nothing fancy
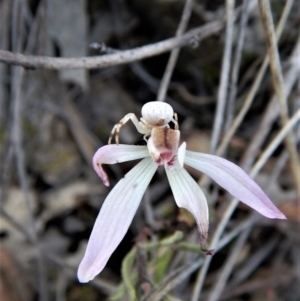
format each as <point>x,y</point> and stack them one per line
<point>18,27</point>
<point>250,155</point>
<point>174,279</point>
<point>222,93</point>
<point>272,110</point>
<point>120,57</point>
<point>217,235</point>
<point>255,217</point>
<point>234,202</point>
<point>278,278</point>
<point>4,44</point>
<point>20,228</point>
<point>276,141</point>
<point>18,74</point>
<point>254,261</point>
<point>226,270</point>
<point>258,79</point>
<point>236,65</point>
<point>5,171</point>
<point>278,83</point>
<point>175,52</point>
<point>248,223</point>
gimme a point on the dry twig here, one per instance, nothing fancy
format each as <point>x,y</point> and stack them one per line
<point>175,52</point>
<point>278,83</point>
<point>224,79</point>
<point>120,57</point>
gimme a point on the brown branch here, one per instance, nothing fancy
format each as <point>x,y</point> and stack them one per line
<point>120,57</point>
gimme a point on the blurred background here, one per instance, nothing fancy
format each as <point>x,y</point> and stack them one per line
<point>53,121</point>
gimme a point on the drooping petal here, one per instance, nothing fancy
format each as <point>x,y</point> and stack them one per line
<point>235,181</point>
<point>188,195</point>
<point>114,218</point>
<point>113,153</point>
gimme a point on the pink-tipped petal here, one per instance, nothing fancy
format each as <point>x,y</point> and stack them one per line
<point>235,181</point>
<point>114,218</point>
<point>188,195</point>
<point>113,153</point>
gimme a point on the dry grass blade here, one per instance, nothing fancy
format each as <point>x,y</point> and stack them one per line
<point>224,79</point>
<point>173,280</point>
<point>175,52</point>
<point>20,162</point>
<point>236,64</point>
<point>279,88</point>
<point>272,110</point>
<point>276,141</point>
<point>258,79</point>
<point>250,155</point>
<point>220,284</point>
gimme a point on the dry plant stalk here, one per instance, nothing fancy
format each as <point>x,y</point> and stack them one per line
<point>117,58</point>
<point>278,83</point>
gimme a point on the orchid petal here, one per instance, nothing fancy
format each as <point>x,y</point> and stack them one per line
<point>114,218</point>
<point>188,195</point>
<point>235,181</point>
<point>113,153</point>
<point>181,153</point>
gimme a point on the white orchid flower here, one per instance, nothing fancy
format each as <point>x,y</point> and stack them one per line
<point>162,149</point>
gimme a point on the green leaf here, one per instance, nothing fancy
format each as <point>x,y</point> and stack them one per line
<point>126,274</point>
